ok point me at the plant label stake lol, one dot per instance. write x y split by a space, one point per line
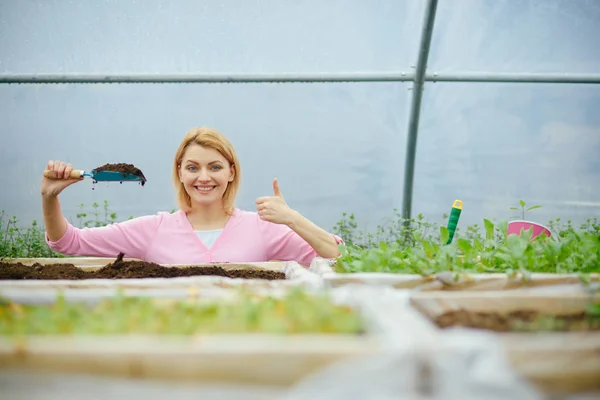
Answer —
453 220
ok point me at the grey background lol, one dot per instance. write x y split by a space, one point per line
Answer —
335 147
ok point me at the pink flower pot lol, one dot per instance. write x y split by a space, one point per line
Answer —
516 227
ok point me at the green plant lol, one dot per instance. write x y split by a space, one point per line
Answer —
22 242
392 230
29 242
108 217
295 312
560 228
522 209
495 251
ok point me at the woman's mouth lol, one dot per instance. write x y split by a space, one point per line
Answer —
205 188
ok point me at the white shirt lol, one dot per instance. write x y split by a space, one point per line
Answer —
209 237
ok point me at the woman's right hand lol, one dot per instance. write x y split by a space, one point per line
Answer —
53 186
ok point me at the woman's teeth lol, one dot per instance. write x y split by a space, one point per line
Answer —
205 188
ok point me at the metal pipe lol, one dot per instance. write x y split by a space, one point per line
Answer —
415 108
513 77
482 77
210 78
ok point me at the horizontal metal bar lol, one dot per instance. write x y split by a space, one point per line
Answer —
209 78
309 77
513 77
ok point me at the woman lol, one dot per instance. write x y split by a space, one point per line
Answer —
206 228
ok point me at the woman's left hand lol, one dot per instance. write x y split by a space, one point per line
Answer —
274 208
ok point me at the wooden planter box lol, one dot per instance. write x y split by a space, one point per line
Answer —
557 362
181 287
444 280
264 359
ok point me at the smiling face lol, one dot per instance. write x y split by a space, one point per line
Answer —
205 175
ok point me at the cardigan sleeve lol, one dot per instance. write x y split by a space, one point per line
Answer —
282 243
132 237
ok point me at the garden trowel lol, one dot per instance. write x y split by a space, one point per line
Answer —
100 176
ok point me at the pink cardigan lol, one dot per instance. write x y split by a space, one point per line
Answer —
167 238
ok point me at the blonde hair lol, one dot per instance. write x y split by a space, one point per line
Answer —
212 139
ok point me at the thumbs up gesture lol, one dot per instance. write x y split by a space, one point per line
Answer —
274 208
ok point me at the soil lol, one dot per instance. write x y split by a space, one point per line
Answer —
124 169
124 270
524 320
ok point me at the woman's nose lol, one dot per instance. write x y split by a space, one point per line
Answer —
203 175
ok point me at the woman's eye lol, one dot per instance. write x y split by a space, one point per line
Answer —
191 168
216 167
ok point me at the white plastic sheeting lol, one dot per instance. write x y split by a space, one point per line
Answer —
332 147
335 147
164 36
552 36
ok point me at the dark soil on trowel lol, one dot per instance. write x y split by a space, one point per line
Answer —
124 270
124 169
518 321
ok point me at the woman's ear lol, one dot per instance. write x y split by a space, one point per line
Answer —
179 173
231 173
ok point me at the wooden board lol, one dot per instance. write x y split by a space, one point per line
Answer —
93 263
556 363
434 304
46 291
259 359
501 281
446 281
397 281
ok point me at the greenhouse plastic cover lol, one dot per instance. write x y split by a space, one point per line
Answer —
335 147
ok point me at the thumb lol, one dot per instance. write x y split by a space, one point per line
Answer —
276 190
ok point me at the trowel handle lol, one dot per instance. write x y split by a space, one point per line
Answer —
75 174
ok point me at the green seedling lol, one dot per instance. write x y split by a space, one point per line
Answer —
295 313
522 209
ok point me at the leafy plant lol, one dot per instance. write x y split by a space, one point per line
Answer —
29 242
573 252
296 312
394 229
17 241
107 218
522 209
419 247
